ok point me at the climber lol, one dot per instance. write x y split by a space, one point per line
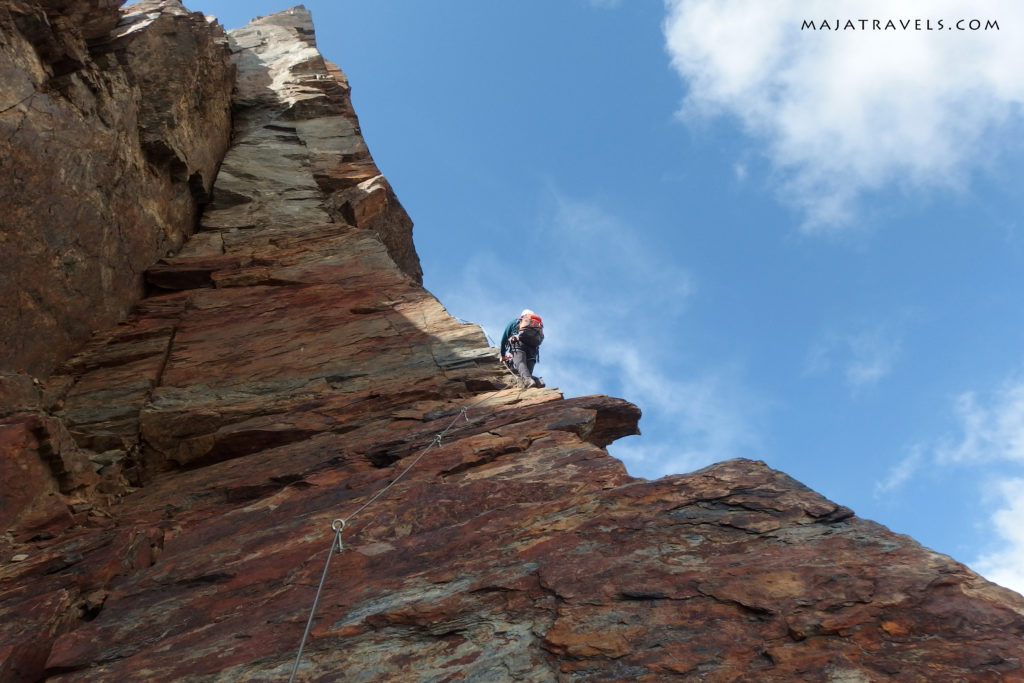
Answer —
520 347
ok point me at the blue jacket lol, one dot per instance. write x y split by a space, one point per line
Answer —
510 330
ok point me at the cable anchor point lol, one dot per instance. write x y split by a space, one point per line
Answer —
338 525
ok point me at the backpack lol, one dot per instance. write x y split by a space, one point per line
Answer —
531 330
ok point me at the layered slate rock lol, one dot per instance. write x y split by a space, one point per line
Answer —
112 126
289 370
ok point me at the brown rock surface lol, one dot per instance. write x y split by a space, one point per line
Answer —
290 370
106 152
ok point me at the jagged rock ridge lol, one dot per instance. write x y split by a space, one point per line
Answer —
288 365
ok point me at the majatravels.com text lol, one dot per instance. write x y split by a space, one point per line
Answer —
900 25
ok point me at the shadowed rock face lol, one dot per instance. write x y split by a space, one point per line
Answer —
107 153
180 475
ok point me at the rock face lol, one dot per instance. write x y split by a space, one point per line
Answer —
106 153
182 474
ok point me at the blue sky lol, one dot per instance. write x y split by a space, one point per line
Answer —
800 246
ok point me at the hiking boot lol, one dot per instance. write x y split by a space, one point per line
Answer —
528 383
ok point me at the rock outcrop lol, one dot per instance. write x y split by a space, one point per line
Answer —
111 129
183 472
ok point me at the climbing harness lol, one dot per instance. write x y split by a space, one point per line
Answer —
504 365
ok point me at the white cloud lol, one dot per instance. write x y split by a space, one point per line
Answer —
872 359
842 114
903 471
866 356
991 443
993 432
1006 565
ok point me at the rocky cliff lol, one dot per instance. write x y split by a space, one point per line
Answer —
173 494
107 153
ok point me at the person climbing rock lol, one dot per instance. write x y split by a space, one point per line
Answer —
520 347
